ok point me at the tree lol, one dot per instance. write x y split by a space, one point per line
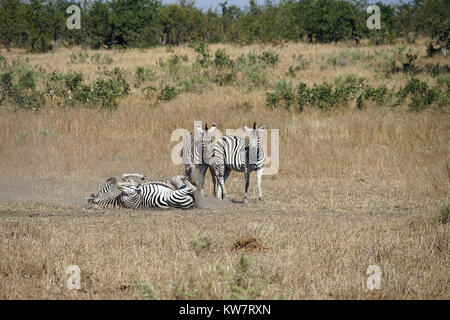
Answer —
435 15
134 23
12 22
39 27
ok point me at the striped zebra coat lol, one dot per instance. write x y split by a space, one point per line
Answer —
238 154
196 152
151 194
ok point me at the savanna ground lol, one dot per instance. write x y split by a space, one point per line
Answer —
355 188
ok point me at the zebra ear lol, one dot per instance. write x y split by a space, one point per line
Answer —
212 129
262 128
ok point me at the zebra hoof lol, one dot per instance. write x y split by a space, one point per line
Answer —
245 201
261 199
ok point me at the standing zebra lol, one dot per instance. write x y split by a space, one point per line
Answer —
196 151
238 154
150 194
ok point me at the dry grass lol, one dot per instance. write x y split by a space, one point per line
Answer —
355 188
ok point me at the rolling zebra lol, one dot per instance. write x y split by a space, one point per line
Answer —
150 194
196 152
238 154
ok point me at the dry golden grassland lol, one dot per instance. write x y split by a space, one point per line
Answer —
355 188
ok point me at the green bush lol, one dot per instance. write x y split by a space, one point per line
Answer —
326 95
23 93
222 60
255 76
145 289
143 74
167 93
283 95
71 90
6 86
269 58
203 58
422 96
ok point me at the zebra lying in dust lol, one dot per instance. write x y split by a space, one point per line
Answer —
150 194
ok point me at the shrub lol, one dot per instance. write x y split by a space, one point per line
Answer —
222 60
199 245
143 74
283 95
26 81
6 86
326 95
22 95
269 58
28 99
145 289
255 76
203 57
167 93
303 95
70 89
420 93
445 213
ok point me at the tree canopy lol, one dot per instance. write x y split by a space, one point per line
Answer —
38 25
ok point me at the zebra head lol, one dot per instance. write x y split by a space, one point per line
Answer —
188 185
254 141
203 146
200 150
105 194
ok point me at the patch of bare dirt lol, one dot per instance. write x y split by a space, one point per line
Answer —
210 202
248 243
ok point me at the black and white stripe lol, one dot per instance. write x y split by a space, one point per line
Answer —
105 197
238 154
151 194
160 195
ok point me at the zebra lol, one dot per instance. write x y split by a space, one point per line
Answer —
150 194
105 197
196 152
238 154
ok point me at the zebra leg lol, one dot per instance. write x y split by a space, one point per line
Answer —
247 182
226 174
259 176
214 179
127 183
222 190
138 176
203 170
182 198
177 181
